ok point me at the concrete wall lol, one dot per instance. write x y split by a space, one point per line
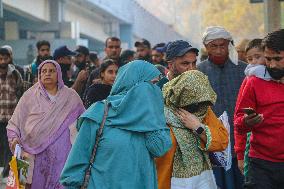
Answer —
143 23
69 21
35 8
88 23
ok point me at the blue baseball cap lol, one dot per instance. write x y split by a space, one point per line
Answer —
160 47
61 52
179 48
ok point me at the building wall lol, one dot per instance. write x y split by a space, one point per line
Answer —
73 22
35 8
143 23
88 22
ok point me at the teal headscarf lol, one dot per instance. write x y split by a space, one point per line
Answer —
135 104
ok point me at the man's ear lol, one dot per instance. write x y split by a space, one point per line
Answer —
170 64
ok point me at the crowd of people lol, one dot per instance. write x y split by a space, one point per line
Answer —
148 118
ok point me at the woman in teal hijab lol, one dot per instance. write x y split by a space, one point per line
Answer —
135 133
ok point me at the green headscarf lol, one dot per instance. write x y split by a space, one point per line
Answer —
135 103
191 87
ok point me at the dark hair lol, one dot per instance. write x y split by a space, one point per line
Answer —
39 44
82 50
274 41
111 39
4 51
93 56
159 45
106 63
192 108
255 43
161 68
126 54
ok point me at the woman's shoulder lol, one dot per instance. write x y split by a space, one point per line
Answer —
72 94
92 116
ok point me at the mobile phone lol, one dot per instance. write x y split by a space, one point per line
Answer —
249 111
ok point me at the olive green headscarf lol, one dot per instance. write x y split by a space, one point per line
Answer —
191 87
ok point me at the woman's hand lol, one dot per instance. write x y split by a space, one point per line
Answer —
25 155
189 120
13 144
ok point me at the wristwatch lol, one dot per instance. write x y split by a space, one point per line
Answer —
199 130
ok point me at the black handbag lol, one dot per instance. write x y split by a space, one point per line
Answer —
98 136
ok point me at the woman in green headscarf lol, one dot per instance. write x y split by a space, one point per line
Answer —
195 130
135 132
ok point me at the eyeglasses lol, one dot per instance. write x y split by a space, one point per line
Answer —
45 71
276 58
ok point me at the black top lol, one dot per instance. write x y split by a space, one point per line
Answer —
96 92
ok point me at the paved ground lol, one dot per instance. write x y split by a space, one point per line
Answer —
2 185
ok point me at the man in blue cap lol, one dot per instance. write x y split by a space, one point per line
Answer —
158 52
63 55
181 57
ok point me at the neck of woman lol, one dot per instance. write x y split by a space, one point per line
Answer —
51 89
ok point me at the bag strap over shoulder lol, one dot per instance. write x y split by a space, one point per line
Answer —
92 159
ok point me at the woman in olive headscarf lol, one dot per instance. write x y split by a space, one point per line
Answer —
195 130
135 132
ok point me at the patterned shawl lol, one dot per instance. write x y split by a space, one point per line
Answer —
189 88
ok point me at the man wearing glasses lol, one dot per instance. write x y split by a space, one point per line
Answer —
266 154
225 73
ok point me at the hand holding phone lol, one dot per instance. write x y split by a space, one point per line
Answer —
252 118
249 111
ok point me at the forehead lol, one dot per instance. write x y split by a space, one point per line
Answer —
254 50
218 41
78 55
112 67
44 47
190 55
156 52
141 47
271 52
48 66
113 43
4 56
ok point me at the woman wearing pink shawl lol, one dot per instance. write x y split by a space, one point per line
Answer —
43 124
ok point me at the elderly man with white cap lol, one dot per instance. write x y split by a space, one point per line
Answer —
226 74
